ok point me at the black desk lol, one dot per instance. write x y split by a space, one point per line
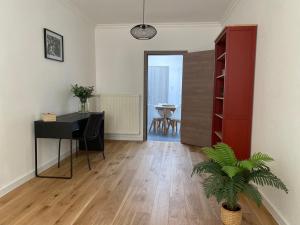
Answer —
63 128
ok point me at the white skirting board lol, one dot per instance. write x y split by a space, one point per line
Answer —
26 177
122 114
273 211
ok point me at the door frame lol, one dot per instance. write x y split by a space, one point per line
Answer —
145 104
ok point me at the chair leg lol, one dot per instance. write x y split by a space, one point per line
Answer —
103 155
151 126
174 127
159 126
58 160
170 123
87 154
155 126
77 147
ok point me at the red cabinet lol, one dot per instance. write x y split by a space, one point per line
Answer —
235 50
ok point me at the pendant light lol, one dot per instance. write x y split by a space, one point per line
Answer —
143 31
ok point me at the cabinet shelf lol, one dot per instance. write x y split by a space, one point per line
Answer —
219 134
219 115
221 76
220 98
222 57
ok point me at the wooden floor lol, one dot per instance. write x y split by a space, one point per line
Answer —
138 184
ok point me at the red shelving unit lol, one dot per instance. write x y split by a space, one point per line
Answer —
235 50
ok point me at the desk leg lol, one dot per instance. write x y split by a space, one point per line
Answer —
53 177
71 160
35 152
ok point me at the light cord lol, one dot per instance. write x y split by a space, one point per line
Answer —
144 11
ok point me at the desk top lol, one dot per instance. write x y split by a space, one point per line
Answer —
70 118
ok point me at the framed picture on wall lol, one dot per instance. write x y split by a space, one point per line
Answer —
54 45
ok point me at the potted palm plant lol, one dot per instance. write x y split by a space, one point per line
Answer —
226 178
83 93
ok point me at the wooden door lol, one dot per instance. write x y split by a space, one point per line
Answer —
197 98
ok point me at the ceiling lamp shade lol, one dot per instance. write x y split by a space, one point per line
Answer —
143 31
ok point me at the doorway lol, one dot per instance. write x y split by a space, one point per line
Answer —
195 106
163 95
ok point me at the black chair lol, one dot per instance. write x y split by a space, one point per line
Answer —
91 132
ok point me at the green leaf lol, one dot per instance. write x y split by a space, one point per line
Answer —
227 153
83 93
246 164
214 185
252 192
212 154
231 189
231 171
207 167
222 154
258 159
261 157
265 177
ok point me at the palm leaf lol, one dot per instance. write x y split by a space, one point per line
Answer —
231 171
252 192
259 158
246 164
231 189
214 185
213 155
256 161
222 154
227 153
267 178
207 167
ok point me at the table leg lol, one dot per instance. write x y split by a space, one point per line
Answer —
52 177
35 152
71 160
165 125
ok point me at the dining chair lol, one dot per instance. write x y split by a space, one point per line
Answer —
91 132
156 124
173 122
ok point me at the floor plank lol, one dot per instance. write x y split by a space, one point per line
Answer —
138 184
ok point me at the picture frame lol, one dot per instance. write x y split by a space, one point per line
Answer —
53 45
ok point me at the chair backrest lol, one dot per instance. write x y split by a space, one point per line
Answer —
93 125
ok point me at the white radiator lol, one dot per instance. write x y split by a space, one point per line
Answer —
122 113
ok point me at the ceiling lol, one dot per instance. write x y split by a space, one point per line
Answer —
157 11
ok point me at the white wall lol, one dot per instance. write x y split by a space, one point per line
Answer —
276 122
120 57
30 84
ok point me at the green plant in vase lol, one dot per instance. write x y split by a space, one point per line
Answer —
83 93
226 178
